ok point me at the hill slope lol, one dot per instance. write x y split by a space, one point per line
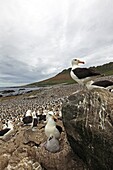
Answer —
64 76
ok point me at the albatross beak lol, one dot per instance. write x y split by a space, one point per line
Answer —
82 62
54 117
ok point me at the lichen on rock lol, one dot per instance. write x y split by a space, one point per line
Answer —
88 121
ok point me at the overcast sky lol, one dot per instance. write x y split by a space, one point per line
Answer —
39 38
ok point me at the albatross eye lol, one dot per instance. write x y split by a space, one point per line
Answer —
50 137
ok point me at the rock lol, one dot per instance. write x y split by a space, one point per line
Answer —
21 89
4 161
33 137
31 97
25 164
8 91
88 121
28 91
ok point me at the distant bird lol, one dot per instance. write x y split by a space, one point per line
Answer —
7 130
103 84
35 121
41 116
51 128
5 125
58 113
52 144
82 75
27 119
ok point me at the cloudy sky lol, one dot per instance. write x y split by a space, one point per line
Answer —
39 38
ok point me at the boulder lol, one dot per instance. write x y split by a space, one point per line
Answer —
88 121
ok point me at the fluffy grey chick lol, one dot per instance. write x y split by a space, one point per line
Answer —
52 144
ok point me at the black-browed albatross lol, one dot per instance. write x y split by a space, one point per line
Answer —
35 121
7 130
27 119
102 84
51 128
82 75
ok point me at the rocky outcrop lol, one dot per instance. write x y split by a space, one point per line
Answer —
8 91
88 121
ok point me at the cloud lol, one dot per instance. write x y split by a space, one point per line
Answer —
39 38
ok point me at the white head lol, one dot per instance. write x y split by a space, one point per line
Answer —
28 113
49 114
34 114
50 120
4 126
10 124
77 62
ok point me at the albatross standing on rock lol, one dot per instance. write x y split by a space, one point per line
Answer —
82 75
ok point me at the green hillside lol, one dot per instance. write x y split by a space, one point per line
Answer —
106 69
64 76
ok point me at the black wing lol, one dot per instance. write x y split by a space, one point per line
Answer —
4 131
42 117
35 122
85 72
59 128
27 119
103 83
